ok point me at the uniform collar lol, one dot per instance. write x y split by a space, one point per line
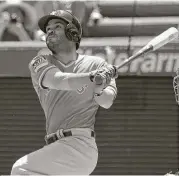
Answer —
70 63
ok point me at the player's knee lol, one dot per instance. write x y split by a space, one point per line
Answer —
15 170
17 167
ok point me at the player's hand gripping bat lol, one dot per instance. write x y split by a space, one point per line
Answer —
156 43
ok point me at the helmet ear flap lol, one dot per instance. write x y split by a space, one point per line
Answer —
72 33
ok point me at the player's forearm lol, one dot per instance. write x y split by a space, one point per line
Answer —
66 81
106 99
76 80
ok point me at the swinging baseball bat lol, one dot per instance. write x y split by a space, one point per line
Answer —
156 43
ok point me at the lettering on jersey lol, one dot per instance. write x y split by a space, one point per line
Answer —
81 90
38 63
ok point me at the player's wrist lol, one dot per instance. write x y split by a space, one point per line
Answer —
98 90
98 94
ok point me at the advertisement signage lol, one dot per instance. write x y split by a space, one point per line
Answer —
16 56
162 62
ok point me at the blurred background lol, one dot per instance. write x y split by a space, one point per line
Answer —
139 134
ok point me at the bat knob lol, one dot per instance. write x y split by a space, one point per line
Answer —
98 80
95 77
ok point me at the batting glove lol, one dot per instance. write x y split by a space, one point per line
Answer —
100 76
106 72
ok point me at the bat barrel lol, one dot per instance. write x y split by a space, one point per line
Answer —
164 38
159 41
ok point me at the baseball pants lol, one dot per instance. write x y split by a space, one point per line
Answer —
73 155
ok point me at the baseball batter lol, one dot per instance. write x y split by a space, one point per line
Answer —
65 83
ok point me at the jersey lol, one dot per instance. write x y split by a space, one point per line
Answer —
67 109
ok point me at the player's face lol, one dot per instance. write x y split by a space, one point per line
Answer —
55 35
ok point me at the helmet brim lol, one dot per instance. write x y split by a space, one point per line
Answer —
43 21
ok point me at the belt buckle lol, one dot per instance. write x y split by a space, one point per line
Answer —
60 133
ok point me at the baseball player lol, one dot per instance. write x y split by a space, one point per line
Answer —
70 88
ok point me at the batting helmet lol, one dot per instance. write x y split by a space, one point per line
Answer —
73 29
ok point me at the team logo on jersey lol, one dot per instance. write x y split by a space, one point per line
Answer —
39 62
81 90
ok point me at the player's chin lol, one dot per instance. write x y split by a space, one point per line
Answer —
52 40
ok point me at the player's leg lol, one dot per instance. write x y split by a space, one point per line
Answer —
67 156
24 165
21 171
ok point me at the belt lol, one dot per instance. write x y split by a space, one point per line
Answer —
61 133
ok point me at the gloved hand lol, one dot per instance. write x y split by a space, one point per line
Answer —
112 70
102 77
108 71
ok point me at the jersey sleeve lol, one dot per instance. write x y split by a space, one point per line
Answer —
38 67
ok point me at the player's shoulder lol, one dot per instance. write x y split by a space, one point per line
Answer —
94 59
39 61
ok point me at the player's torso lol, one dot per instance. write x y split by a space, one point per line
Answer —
68 109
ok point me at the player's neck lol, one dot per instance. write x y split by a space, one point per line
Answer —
66 58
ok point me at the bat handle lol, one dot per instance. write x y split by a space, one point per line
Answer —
98 80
